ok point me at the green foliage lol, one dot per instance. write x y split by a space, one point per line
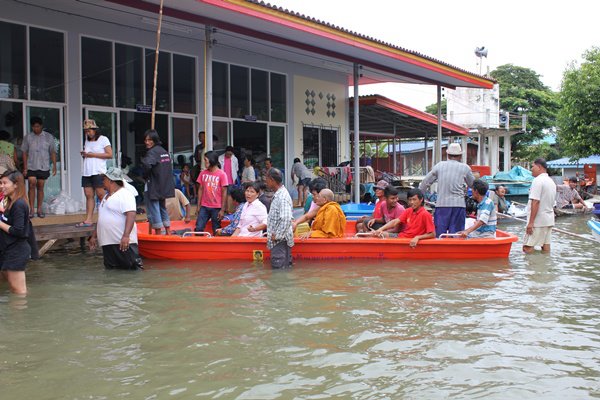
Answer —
579 118
544 150
432 108
522 91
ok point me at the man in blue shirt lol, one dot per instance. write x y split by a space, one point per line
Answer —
485 226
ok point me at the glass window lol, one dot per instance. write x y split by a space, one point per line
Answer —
240 95
12 122
277 146
220 83
13 74
163 79
329 147
96 72
183 141
220 135
47 65
184 84
260 94
278 98
310 139
128 75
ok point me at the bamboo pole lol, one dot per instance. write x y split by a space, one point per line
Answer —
160 14
553 228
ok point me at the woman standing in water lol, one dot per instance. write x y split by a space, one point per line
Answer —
14 231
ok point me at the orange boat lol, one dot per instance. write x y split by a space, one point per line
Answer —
175 247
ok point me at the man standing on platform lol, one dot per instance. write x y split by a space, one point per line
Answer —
540 209
280 236
451 176
39 149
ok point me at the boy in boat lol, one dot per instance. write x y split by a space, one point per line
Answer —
385 211
418 223
485 226
568 197
330 221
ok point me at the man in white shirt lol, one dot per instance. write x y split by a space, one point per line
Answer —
540 209
115 231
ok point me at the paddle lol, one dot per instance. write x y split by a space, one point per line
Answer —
553 228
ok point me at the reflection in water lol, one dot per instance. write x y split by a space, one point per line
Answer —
526 327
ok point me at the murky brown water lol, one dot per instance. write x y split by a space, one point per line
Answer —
527 327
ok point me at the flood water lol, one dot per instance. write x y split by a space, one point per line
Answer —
526 327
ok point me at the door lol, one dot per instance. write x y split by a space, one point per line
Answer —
250 138
52 118
277 146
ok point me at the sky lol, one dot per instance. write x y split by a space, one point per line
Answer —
545 36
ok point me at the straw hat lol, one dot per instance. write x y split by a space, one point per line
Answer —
117 174
89 124
454 149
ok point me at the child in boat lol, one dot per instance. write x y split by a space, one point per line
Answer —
485 226
384 212
186 181
238 200
418 223
330 221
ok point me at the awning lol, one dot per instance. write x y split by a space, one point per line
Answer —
378 114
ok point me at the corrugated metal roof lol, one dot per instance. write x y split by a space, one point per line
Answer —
566 162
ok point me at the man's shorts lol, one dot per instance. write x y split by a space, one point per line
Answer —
38 174
94 181
539 237
114 258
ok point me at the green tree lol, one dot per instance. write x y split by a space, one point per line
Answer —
579 117
522 91
432 108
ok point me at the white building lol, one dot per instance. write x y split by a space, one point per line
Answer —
263 79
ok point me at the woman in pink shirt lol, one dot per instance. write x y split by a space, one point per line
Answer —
212 193
254 213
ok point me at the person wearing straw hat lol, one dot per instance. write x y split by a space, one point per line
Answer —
451 176
96 152
116 232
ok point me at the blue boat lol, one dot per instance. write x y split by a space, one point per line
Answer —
353 210
595 225
517 181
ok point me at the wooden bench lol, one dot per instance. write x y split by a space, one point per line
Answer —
51 233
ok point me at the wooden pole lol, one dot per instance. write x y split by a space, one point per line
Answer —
553 228
160 14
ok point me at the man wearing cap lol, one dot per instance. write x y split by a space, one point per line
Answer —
39 149
451 176
380 195
115 231
96 152
540 209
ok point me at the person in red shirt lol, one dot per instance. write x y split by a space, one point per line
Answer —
418 223
385 211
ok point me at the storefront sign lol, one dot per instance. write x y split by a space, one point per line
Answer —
145 108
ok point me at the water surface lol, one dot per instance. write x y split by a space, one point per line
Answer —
526 327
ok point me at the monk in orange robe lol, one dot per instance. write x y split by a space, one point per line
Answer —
330 221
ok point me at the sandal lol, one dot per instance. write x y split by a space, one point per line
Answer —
84 225
41 215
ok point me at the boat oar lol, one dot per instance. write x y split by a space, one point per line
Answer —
553 228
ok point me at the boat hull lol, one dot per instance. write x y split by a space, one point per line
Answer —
175 247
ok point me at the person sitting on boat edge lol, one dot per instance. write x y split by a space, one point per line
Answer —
280 236
498 196
330 221
384 212
485 226
568 197
314 186
380 195
237 199
418 223
253 219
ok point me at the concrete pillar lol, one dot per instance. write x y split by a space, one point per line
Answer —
464 143
507 152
